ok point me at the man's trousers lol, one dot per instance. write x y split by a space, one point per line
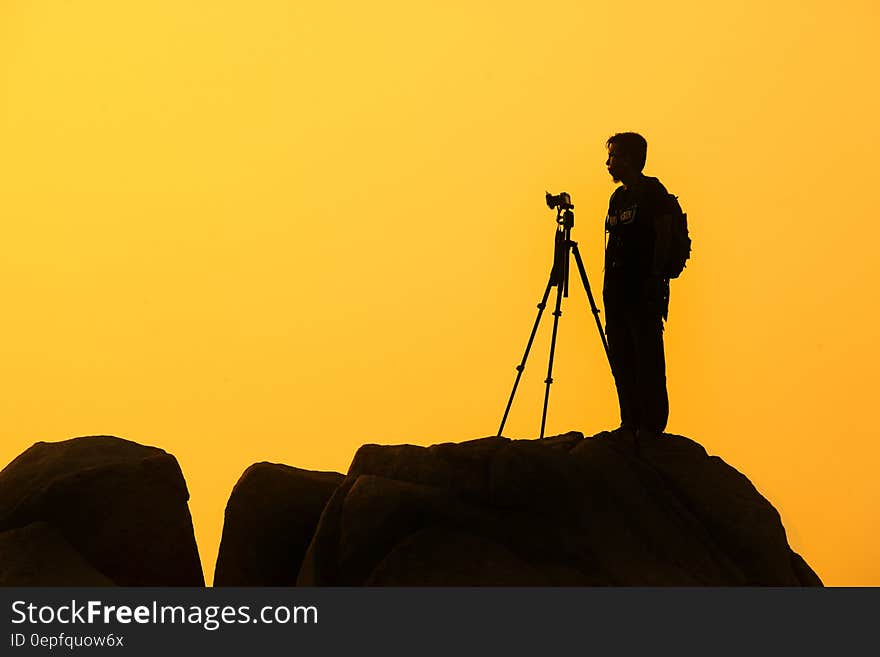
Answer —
635 342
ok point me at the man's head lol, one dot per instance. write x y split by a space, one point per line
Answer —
627 152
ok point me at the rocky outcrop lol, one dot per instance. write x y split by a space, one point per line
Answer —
106 506
566 510
270 519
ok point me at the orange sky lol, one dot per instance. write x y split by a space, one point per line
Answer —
264 231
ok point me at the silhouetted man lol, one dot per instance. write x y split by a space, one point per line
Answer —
635 293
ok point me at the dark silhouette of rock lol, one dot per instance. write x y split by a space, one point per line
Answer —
559 511
37 555
120 505
270 519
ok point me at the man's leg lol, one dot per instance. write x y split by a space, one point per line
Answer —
651 372
622 350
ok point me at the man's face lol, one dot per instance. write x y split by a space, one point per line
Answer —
617 163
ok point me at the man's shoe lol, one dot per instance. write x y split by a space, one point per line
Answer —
623 431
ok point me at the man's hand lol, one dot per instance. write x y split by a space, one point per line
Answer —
655 295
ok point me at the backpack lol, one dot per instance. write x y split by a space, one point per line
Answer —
674 227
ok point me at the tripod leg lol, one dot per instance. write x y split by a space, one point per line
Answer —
522 365
557 313
580 264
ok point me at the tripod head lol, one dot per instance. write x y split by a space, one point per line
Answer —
565 219
564 209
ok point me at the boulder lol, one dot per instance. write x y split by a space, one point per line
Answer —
565 510
120 505
270 519
37 555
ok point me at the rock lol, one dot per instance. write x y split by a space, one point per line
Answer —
431 557
37 555
270 519
805 575
120 505
731 511
558 511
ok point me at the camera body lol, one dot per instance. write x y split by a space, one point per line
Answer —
561 201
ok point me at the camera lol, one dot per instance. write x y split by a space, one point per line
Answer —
561 201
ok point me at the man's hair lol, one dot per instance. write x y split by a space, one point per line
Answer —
632 145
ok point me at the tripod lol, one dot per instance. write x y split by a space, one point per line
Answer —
563 246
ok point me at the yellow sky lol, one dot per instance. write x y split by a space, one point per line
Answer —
267 231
